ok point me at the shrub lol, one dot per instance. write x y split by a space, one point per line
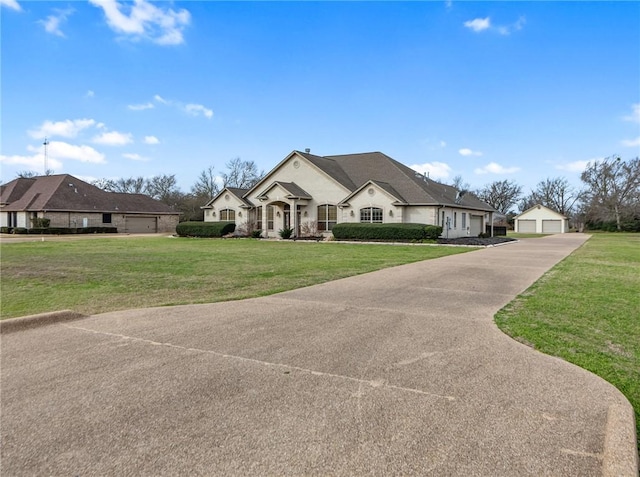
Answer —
205 229
386 232
256 234
6 230
432 232
72 230
285 233
40 223
19 230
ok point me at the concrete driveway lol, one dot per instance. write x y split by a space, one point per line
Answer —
396 372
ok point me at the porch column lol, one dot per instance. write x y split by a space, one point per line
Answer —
293 213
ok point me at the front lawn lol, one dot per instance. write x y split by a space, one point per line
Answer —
586 310
107 274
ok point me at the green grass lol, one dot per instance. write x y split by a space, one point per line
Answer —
586 310
107 274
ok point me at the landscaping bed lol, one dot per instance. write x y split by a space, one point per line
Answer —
475 241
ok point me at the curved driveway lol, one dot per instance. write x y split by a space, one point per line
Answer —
396 372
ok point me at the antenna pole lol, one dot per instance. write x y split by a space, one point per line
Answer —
46 158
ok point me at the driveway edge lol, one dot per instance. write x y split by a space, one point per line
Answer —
16 324
620 455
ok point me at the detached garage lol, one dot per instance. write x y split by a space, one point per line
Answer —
541 220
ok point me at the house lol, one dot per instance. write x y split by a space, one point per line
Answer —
310 194
541 220
69 202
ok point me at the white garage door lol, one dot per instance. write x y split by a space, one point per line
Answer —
551 226
526 226
140 225
475 225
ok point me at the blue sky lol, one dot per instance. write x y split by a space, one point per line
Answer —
486 90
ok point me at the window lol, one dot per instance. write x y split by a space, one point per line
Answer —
270 217
464 220
442 222
228 215
371 215
106 218
259 218
327 217
455 220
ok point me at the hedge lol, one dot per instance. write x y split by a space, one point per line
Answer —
205 229
387 232
58 230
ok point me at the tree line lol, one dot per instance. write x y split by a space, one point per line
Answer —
609 198
239 173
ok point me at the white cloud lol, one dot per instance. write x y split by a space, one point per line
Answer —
196 109
495 168
468 152
190 108
135 157
66 128
478 24
52 22
482 24
13 5
113 138
59 151
141 107
635 113
144 20
631 142
575 166
89 94
435 170
151 140
33 163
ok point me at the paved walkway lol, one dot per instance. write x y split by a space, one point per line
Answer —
396 372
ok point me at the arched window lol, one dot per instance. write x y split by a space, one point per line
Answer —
371 215
327 217
227 215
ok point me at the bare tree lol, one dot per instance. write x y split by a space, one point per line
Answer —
206 186
501 195
163 188
556 194
131 185
459 183
104 184
26 174
613 189
241 174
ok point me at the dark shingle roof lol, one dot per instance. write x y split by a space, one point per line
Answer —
354 170
63 192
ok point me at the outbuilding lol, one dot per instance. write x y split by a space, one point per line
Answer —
541 220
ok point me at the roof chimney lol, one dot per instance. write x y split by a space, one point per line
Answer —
307 150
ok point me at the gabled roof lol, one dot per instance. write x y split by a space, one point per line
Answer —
352 171
64 192
293 190
236 191
382 185
409 185
540 206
